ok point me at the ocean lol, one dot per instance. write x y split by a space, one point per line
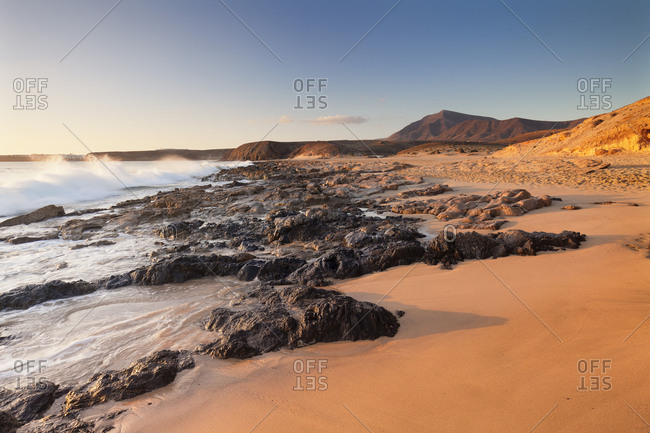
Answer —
70 339
26 186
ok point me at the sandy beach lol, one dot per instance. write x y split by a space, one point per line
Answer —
271 217
493 345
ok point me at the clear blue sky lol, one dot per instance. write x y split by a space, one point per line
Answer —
158 74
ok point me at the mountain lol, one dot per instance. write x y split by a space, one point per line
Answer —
262 150
452 126
265 150
624 130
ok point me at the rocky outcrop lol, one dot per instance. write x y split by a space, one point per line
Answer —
448 250
342 262
27 296
185 268
269 318
176 270
27 403
146 374
42 214
8 423
275 270
476 211
58 424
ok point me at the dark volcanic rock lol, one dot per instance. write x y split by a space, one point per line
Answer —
275 270
339 263
382 257
78 229
179 229
28 403
185 268
27 296
8 422
293 317
27 239
473 245
286 226
174 270
58 424
371 254
42 214
144 375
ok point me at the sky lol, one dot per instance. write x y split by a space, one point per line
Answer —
140 74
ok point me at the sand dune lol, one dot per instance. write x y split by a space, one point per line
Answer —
624 130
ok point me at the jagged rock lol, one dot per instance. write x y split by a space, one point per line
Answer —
380 253
175 270
505 203
180 269
42 214
381 257
473 245
102 243
58 424
78 229
146 374
292 317
28 403
275 270
27 296
359 239
339 263
8 422
28 239
286 226
178 230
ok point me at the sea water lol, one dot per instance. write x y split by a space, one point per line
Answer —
68 340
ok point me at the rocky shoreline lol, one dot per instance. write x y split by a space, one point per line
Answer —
286 228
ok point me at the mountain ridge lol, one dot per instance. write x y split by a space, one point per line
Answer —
450 125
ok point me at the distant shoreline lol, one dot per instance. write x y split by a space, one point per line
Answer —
137 155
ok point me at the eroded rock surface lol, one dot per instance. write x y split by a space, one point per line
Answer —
477 211
59 424
473 245
42 214
29 402
269 318
146 374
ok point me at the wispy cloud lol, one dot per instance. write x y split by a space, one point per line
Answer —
285 119
337 120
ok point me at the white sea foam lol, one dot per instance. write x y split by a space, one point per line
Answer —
79 336
25 186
